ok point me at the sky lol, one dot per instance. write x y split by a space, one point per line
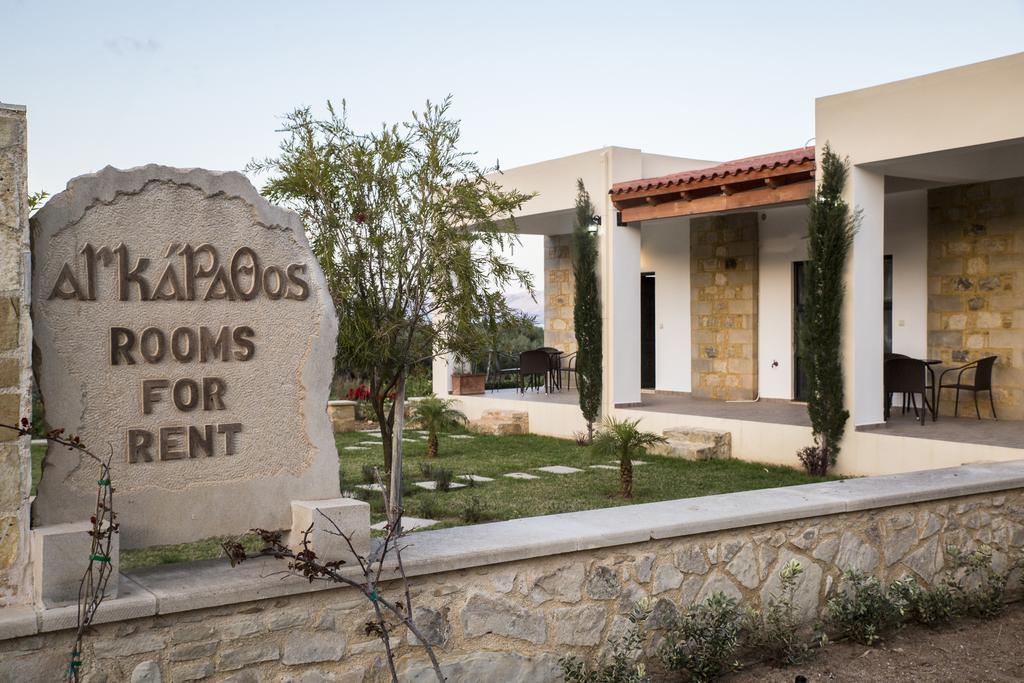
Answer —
205 83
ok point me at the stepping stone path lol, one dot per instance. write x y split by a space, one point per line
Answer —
558 469
432 485
370 487
636 463
355 448
473 477
521 475
603 467
408 523
460 436
368 443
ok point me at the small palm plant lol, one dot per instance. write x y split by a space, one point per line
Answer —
436 415
622 439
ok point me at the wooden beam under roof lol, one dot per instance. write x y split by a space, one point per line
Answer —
764 196
802 169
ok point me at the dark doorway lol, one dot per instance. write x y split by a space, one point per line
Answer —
799 303
647 332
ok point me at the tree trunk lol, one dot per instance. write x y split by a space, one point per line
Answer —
398 413
432 445
626 476
384 424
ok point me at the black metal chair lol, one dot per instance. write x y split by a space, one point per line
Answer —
500 367
908 376
569 368
982 381
888 395
534 364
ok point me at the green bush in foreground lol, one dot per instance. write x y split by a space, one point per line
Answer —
774 631
705 639
623 665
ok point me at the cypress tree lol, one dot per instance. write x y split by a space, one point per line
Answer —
831 228
586 312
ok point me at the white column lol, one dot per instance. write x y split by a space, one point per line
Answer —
624 286
620 288
442 374
863 321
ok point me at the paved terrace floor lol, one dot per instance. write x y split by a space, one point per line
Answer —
1005 433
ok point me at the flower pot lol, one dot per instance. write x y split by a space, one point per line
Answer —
468 384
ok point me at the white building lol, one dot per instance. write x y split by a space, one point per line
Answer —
701 264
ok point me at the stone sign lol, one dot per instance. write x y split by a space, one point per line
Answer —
183 325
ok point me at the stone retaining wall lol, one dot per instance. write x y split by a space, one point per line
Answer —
511 621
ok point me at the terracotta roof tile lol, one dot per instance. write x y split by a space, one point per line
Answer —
761 162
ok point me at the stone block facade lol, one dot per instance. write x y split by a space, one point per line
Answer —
15 344
723 291
976 286
343 415
559 294
513 620
502 422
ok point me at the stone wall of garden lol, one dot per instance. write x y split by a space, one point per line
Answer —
559 294
15 341
976 286
513 620
723 291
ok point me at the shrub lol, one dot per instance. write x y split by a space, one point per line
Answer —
622 666
865 609
443 479
369 474
774 631
427 470
976 585
928 606
704 640
474 511
429 507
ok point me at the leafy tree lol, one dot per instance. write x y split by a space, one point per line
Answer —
831 229
586 312
409 230
436 415
622 439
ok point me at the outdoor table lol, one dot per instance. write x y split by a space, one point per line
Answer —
554 366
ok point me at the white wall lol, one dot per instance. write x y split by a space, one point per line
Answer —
906 239
781 242
665 251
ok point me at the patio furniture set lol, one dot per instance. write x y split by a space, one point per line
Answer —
912 376
542 367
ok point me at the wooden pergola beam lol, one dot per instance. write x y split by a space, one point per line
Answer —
747 199
802 170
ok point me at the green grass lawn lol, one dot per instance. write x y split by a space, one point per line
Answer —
503 498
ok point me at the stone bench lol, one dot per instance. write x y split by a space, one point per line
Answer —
343 415
694 443
502 422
